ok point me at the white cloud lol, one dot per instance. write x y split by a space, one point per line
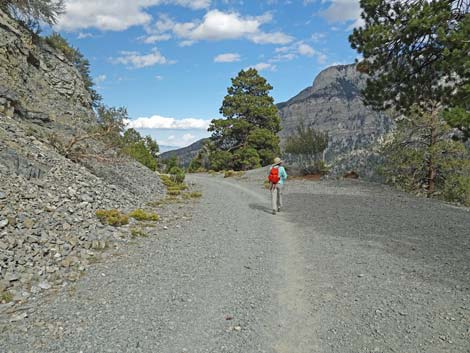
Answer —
317 37
227 58
178 141
343 11
156 38
271 38
160 122
219 25
306 50
284 57
117 15
99 79
291 52
83 35
159 77
137 60
264 67
186 43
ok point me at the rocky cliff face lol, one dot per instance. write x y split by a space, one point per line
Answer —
36 81
49 233
333 103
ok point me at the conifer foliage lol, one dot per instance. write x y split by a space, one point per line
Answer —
34 11
246 138
416 53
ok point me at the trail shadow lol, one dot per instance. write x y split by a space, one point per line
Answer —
258 207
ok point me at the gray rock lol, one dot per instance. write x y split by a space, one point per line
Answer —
11 277
334 104
2 195
3 223
19 317
4 285
44 285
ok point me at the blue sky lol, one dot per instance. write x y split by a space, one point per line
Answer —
170 62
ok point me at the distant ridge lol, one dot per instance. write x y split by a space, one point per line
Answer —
185 154
333 103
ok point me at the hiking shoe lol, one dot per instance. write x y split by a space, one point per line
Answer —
274 211
278 209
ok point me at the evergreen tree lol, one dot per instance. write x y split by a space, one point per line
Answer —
246 138
421 157
34 11
416 51
306 146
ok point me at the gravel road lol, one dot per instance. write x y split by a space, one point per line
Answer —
347 267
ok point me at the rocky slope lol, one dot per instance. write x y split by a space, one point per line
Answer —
49 233
36 81
333 103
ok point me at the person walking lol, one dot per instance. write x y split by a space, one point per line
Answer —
277 177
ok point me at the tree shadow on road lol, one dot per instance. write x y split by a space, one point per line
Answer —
258 207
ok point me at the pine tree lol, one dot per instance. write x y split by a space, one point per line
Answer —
34 11
421 157
415 52
248 133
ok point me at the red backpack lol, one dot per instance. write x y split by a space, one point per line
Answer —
274 175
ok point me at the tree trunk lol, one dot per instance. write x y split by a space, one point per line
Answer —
432 168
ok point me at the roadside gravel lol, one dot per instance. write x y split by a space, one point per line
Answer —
346 267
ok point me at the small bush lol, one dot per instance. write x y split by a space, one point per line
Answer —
177 175
138 233
155 203
179 187
267 184
112 217
141 215
174 192
6 297
457 189
195 194
317 167
232 173
166 180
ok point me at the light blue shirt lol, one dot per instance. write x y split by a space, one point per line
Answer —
282 173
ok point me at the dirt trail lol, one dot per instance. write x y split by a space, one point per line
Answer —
345 268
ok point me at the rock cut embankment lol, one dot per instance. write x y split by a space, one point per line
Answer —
49 233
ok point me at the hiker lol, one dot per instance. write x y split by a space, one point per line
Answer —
277 177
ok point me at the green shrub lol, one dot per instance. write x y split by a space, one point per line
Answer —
457 189
180 187
174 192
232 173
177 175
316 167
112 217
141 154
195 194
6 297
141 215
138 233
266 184
166 180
